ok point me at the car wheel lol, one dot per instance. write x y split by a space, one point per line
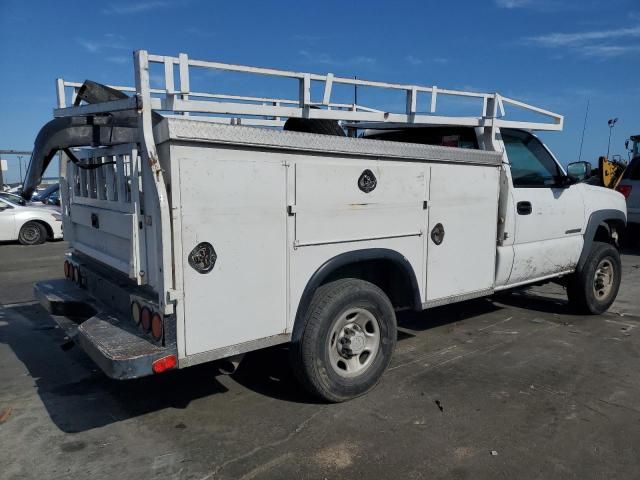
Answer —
348 339
32 233
594 289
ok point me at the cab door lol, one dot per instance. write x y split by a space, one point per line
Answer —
7 221
549 216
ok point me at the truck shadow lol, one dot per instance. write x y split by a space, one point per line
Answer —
268 371
79 397
533 301
76 394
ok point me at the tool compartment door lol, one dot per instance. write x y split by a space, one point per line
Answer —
463 200
332 206
236 201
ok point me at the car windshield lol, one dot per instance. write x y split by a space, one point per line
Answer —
13 199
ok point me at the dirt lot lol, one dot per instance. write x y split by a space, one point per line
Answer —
510 387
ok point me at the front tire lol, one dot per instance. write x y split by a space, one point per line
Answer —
32 233
594 289
348 339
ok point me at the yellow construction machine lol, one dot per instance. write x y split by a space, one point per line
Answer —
610 171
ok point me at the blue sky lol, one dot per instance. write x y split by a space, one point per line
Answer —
554 54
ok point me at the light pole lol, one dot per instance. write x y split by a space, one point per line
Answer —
20 166
612 123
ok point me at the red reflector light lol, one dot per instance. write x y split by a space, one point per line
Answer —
145 319
67 269
156 326
165 363
624 190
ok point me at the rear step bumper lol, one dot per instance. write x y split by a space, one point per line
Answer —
114 344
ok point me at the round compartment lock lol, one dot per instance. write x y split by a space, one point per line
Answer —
367 181
203 257
437 234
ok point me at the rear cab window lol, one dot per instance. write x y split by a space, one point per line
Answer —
459 137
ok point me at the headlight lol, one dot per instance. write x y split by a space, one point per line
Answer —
57 216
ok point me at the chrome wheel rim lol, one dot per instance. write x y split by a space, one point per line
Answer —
603 279
354 342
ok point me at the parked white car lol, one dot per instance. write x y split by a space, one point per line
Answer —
28 223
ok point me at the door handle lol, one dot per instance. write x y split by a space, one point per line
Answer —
524 208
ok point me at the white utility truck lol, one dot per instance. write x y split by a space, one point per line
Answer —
206 225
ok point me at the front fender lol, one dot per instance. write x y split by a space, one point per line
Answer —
609 217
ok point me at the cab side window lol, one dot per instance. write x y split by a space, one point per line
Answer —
531 164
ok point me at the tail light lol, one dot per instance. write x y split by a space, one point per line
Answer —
135 312
145 319
156 326
624 190
67 269
165 363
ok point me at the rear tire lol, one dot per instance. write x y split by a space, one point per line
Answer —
348 339
593 290
32 233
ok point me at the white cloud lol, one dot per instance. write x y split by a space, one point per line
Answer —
513 3
124 9
199 32
413 60
327 59
108 41
119 60
548 6
601 44
581 38
608 51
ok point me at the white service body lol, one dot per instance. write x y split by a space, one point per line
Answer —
281 208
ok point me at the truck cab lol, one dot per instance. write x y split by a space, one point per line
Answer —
544 212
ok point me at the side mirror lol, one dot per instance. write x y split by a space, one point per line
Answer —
579 171
626 144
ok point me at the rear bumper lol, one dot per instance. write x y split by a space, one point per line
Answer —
633 215
113 343
57 231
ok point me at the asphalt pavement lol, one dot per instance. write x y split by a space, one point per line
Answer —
515 386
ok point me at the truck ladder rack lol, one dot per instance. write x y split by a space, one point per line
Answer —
271 112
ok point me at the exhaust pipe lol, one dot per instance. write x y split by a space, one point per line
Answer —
66 132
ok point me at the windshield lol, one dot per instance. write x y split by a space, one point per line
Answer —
13 199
